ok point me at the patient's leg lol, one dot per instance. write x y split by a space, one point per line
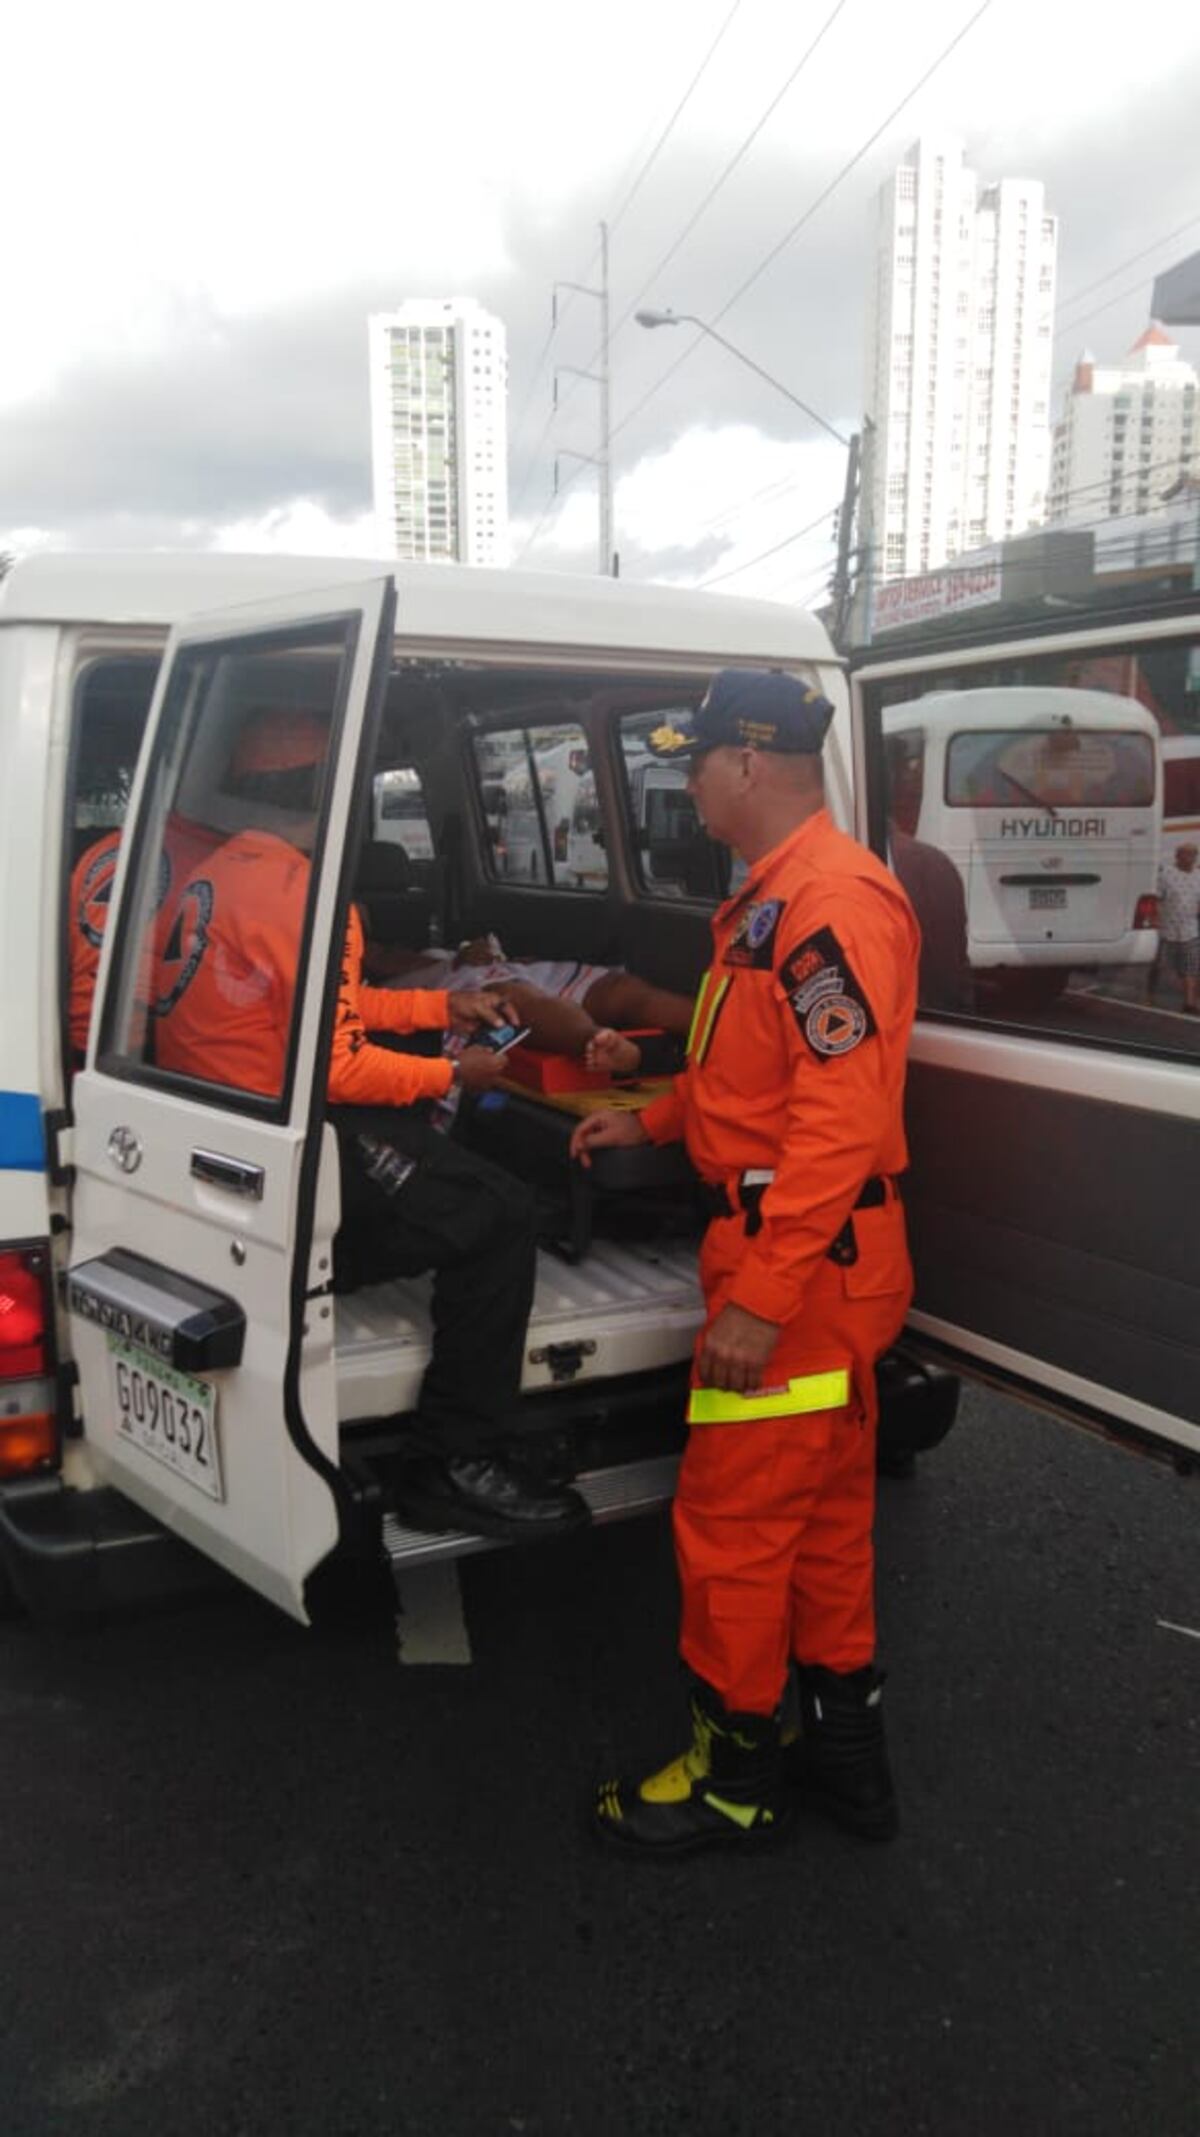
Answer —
622 998
559 1027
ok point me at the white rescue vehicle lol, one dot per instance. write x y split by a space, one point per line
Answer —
175 1368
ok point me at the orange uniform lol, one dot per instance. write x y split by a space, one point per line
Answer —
87 908
227 985
795 1070
89 898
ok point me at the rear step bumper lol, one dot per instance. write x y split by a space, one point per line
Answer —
612 1494
64 1551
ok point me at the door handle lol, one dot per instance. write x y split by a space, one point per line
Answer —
233 1174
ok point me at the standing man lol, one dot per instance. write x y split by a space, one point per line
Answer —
791 1108
1179 922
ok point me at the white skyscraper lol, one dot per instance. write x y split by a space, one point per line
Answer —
959 344
1127 432
439 383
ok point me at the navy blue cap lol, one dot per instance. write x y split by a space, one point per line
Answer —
747 708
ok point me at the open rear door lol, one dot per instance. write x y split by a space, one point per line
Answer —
203 1212
1054 1110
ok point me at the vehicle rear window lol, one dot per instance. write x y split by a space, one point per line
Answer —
1059 767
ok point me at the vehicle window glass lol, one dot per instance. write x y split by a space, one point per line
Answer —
399 816
113 702
207 975
538 792
1049 856
1056 767
673 855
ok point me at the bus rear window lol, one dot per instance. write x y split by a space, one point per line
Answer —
1059 767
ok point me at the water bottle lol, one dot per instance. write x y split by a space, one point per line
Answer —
384 1164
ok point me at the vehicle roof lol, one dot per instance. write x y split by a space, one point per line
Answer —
434 601
1023 704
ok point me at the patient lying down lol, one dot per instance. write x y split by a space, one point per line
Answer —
570 1008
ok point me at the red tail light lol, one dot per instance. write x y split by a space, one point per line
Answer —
28 1435
1145 912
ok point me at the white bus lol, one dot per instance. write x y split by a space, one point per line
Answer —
1049 803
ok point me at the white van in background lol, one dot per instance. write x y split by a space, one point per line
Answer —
1049 803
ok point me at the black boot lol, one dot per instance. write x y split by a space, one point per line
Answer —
724 1791
485 1495
838 1761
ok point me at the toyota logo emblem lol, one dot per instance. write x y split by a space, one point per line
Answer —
124 1150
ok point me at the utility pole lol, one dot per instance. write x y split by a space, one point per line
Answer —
859 621
601 460
840 589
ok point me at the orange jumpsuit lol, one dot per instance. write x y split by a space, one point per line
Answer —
796 1064
87 909
227 985
184 846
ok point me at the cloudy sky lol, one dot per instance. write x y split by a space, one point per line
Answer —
203 206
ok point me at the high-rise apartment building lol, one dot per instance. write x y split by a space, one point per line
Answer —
1127 432
959 343
439 383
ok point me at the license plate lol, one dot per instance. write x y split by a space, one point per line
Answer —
167 1415
1048 897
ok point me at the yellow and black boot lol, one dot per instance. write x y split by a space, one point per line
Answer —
837 1760
726 1790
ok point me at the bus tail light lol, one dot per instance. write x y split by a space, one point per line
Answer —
28 1426
1145 912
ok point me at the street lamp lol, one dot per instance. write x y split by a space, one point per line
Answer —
653 318
840 590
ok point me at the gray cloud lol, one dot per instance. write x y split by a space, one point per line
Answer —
237 416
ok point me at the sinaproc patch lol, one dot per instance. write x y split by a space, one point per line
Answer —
753 939
830 1008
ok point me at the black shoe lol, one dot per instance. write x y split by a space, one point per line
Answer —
838 1760
724 1791
484 1495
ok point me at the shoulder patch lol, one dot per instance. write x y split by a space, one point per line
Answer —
753 939
830 1008
186 944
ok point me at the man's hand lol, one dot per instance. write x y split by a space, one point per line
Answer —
479 1069
735 1349
471 1007
608 1130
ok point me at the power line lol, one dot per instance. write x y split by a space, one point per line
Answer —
1130 290
789 235
1065 303
644 172
730 167
716 577
812 209
668 129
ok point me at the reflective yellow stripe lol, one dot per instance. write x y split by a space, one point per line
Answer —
811 1391
701 991
704 1016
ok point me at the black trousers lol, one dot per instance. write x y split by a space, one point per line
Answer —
411 1201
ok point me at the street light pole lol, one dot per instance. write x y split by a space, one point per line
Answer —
840 591
668 318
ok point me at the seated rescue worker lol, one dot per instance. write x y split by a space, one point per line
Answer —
568 1007
411 1199
87 918
88 900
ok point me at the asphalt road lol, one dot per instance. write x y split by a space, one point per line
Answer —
259 1881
